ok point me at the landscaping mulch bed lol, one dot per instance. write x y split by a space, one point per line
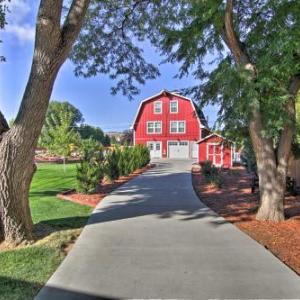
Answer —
104 189
236 204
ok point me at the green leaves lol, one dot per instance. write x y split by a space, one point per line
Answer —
90 171
61 134
109 44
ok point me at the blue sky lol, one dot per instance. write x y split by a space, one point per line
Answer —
92 96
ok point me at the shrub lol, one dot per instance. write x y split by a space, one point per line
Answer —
112 165
124 164
211 173
132 158
91 167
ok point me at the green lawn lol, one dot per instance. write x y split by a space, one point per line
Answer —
23 271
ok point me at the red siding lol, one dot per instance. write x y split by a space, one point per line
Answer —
226 150
185 113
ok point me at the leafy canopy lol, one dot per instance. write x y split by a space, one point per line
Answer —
55 117
191 32
109 44
62 135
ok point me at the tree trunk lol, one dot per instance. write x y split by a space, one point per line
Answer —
17 159
17 145
272 166
271 188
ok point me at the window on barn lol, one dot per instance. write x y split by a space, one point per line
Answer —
177 127
154 127
174 106
157 107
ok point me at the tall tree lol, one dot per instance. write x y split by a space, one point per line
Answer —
56 32
90 132
254 72
55 114
127 137
62 134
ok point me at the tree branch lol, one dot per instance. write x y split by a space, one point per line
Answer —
130 12
73 22
48 19
231 39
3 124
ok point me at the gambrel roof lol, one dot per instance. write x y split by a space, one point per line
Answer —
198 111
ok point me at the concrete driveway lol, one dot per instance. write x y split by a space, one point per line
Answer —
153 238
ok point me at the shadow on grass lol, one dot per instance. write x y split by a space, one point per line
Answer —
65 223
11 288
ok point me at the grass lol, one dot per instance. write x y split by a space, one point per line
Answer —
24 270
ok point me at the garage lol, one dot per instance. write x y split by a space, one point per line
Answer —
178 149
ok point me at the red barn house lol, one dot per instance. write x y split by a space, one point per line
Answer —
171 126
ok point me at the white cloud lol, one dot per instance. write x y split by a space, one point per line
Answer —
24 33
19 21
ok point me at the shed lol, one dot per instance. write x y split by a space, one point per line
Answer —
217 149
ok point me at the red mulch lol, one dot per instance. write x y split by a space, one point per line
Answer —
235 203
105 188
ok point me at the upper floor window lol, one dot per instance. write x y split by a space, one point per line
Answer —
177 127
157 107
174 106
154 127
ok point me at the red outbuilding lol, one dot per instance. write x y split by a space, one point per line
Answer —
216 149
172 126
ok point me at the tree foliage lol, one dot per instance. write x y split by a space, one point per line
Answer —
62 134
87 131
3 11
90 171
108 44
57 113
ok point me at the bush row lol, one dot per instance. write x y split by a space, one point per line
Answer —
97 163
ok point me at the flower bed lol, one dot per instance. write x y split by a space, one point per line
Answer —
237 205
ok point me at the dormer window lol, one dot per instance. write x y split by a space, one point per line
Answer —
173 106
157 107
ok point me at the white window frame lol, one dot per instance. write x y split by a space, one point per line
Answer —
174 112
154 122
177 127
154 107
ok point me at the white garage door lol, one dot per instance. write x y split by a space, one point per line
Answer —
178 149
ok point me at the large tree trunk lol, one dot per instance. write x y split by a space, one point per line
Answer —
271 164
17 159
17 145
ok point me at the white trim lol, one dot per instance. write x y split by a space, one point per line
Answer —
192 144
177 121
176 95
178 141
161 129
134 142
177 106
222 153
161 107
213 134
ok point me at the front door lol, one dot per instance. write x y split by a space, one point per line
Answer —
214 154
155 149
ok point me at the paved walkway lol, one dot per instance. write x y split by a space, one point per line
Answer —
153 238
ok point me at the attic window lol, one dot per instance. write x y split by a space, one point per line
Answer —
174 106
157 107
